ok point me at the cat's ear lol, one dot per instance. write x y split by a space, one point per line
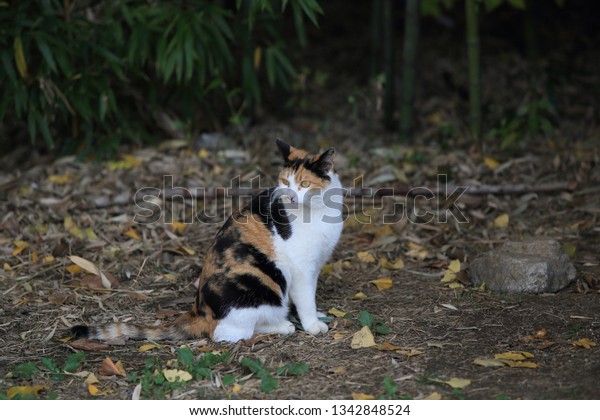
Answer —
325 161
284 148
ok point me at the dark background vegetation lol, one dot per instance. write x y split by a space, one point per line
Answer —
88 77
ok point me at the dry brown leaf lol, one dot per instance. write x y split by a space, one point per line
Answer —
109 368
90 345
176 375
515 356
455 383
409 352
385 346
362 338
382 283
131 233
178 227
519 364
92 281
491 162
434 396
20 246
91 379
359 296
338 370
147 347
92 268
489 362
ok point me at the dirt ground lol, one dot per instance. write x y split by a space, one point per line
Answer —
51 209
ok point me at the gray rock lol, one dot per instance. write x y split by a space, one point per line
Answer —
534 265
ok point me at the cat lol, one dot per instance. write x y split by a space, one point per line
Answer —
264 258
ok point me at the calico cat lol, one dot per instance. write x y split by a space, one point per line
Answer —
264 258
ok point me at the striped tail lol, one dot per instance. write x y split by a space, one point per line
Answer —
187 326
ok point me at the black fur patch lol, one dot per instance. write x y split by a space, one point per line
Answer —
264 264
80 331
272 213
284 148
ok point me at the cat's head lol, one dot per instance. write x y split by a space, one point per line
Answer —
304 175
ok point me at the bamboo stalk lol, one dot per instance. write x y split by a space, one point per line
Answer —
388 62
411 39
473 48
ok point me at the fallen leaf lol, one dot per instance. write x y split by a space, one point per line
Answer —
60 179
491 162
366 257
384 231
501 221
417 251
339 336
176 375
362 338
236 388
456 383
570 249
385 346
34 257
93 390
48 259
20 246
409 352
109 368
73 269
90 234
455 285
187 250
137 392
147 347
91 268
489 362
382 283
92 281
7 267
327 269
519 364
359 296
338 370
178 227
449 306
396 265
170 277
514 355
454 266
25 391
586 343
434 396
336 312
131 233
91 379
202 153
361 396
90 345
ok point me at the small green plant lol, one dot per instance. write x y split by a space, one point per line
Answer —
390 389
530 119
365 319
267 382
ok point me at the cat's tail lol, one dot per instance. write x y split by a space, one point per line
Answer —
188 326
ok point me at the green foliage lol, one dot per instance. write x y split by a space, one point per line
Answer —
374 324
267 382
73 361
26 371
87 77
390 389
530 120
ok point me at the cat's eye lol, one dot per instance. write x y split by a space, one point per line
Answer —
305 184
285 182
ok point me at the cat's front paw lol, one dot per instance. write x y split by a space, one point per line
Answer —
317 328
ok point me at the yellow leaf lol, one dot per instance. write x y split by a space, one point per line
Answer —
338 370
147 347
384 231
7 267
90 234
382 283
68 222
448 277
514 355
93 390
455 285
366 257
339 336
187 250
434 396
176 375
178 227
501 221
409 352
569 249
170 277
202 153
491 163
362 338
489 362
385 346
417 251
454 266
131 233
34 257
361 396
76 232
456 383
25 391
327 269
73 269
236 388
20 58
91 379
586 343
519 364
434 119
359 296
19 247
396 265
336 312
257 56
60 179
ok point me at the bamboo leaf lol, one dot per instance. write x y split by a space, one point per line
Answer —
20 57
